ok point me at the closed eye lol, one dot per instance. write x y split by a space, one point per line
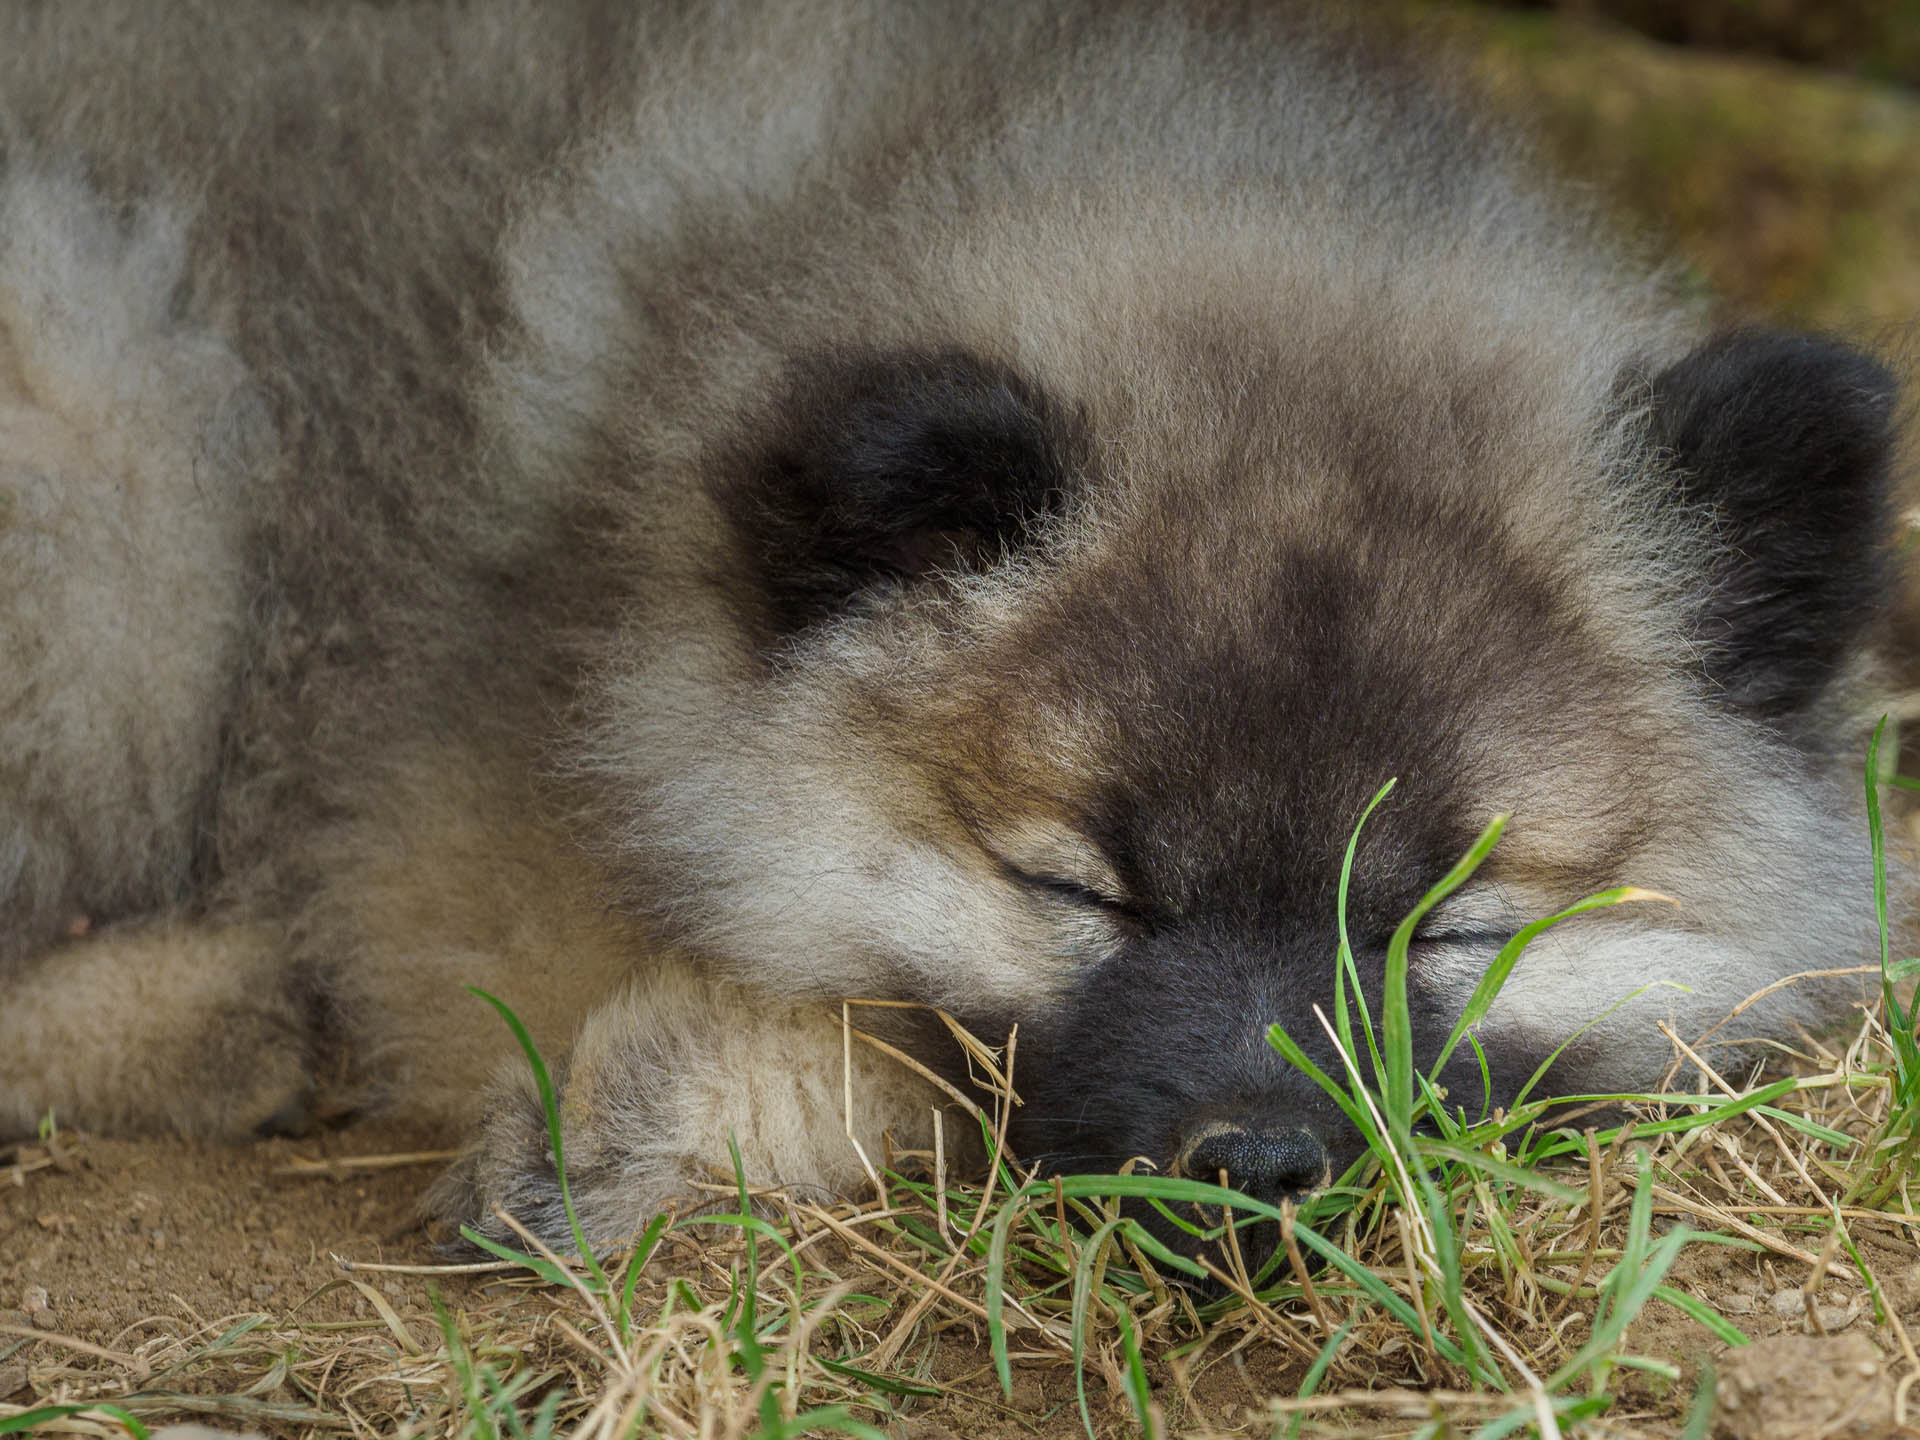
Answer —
1074 892
1465 938
1058 864
1477 920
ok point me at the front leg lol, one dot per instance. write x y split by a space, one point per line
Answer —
659 1078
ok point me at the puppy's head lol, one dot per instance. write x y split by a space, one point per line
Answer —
1058 706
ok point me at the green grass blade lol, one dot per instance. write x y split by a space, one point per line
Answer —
885 1384
1345 971
1083 1287
1811 1128
751 1226
1377 1290
746 1325
1504 1170
27 1421
545 1417
502 1403
1641 1268
1877 840
1290 1049
1540 1071
1724 1329
1172 1189
643 1249
1899 1022
1396 1023
551 1106
1626 1301
1317 1371
1453 1300
997 1293
465 1369
1156 1250
1568 1410
1133 1375
1491 983
1451 1127
1699 1421
545 1269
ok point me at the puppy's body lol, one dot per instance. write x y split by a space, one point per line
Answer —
677 520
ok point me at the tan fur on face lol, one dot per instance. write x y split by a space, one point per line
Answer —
829 863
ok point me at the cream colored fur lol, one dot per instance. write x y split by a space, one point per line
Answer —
668 1072
154 1027
374 624
130 455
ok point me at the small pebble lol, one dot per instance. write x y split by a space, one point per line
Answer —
13 1379
1792 1305
45 1320
262 1292
35 1299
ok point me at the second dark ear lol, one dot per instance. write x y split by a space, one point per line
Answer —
1783 445
882 468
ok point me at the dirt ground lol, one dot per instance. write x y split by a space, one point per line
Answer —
128 1248
112 1253
111 1242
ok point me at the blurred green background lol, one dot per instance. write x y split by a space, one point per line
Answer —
1774 145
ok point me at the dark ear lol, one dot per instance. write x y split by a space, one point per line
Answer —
1784 442
881 468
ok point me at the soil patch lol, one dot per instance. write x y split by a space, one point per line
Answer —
97 1237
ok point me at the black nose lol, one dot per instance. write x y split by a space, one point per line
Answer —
1269 1165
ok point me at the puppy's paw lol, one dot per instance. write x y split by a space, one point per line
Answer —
508 1169
159 1027
665 1084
